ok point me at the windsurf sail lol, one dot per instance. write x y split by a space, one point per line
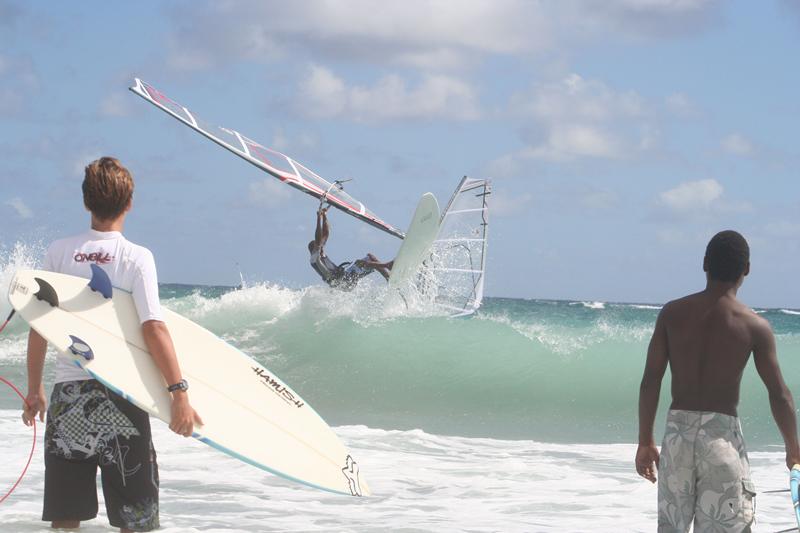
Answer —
275 163
457 261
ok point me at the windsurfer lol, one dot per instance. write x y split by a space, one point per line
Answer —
345 275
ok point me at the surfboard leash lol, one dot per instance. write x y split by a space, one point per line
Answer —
10 315
33 445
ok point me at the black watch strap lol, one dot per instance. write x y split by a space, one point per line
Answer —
181 385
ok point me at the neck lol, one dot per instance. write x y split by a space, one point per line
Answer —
113 224
722 288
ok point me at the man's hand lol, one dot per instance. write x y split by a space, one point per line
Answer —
35 403
647 462
792 458
183 416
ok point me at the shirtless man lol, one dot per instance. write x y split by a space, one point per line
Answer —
348 274
706 339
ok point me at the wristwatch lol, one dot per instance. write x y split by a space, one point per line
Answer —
181 385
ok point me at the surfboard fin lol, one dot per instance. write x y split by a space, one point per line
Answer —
79 347
46 292
100 282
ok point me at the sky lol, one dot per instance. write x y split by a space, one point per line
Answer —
619 135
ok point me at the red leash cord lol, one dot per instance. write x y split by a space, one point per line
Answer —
33 446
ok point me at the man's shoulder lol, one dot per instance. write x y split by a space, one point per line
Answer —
66 243
138 254
77 237
138 248
675 305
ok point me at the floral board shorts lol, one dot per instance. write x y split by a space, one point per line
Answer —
704 475
90 426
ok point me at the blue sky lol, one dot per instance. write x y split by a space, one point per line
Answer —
620 134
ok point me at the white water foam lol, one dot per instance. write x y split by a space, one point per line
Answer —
421 482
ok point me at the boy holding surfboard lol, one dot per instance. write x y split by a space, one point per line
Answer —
706 339
87 424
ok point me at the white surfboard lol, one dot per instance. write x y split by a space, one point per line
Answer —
247 411
417 242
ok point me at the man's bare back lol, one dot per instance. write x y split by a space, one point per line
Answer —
710 336
706 339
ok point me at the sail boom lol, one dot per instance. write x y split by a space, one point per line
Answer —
266 159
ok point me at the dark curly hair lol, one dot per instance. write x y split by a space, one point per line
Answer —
727 256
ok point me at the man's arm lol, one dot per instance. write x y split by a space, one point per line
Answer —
159 344
35 401
765 356
649 391
323 229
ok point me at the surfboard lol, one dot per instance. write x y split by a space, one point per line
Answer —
419 237
248 412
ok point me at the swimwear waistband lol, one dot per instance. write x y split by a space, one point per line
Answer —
706 419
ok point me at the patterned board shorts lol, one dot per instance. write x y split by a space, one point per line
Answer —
704 475
90 426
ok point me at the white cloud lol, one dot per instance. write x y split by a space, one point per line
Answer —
324 95
680 104
506 204
575 117
23 211
577 99
703 198
268 193
736 144
569 141
692 195
424 34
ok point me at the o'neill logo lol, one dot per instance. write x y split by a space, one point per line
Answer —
95 257
277 387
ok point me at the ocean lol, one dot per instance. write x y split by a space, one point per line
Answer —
520 418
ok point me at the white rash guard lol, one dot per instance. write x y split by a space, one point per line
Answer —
129 266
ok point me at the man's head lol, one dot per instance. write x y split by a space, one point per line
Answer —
107 188
312 246
727 257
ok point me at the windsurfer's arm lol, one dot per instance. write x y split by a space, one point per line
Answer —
35 401
323 229
159 344
649 390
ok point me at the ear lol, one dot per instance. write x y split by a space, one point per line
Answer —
705 264
130 205
747 269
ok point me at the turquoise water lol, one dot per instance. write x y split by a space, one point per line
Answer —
521 418
552 371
